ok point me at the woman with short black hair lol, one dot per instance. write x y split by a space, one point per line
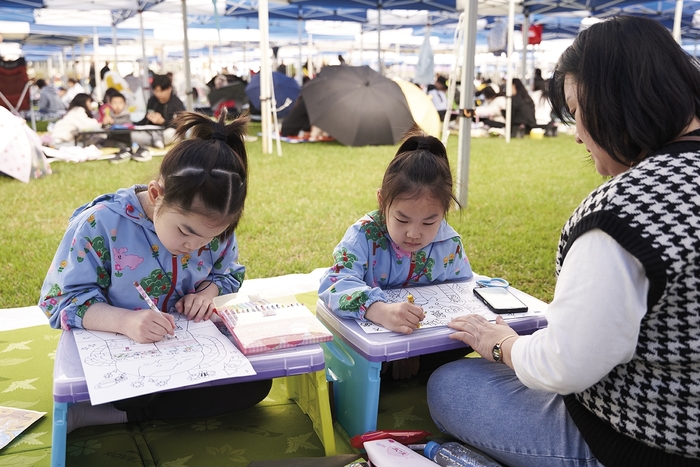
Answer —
615 378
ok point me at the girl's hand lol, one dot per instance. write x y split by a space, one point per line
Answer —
480 334
107 119
195 307
401 317
146 326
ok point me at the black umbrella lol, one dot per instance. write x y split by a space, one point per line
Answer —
231 92
357 106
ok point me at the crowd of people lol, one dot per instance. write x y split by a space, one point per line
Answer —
612 381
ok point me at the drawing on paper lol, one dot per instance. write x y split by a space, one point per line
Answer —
441 303
116 367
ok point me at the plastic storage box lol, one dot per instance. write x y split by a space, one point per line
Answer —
303 367
354 359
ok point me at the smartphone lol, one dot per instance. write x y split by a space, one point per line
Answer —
500 300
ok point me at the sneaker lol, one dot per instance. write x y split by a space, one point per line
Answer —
142 155
122 156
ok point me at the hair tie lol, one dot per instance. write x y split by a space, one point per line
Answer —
218 134
424 144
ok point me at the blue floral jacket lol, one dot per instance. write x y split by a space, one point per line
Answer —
109 244
367 260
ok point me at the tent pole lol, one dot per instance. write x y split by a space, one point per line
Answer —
362 36
145 88
466 101
380 68
51 72
265 77
114 44
311 56
523 59
300 72
509 69
85 72
459 44
97 92
677 21
189 105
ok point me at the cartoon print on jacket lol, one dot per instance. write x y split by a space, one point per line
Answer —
109 244
367 261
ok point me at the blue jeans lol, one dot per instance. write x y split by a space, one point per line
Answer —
484 405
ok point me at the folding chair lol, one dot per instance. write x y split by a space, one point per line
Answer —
14 87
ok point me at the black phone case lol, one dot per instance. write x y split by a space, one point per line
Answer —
519 309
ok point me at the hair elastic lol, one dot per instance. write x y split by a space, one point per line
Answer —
218 134
424 144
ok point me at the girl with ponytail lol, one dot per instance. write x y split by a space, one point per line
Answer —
175 238
406 242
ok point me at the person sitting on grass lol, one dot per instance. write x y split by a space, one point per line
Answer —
115 112
186 216
614 380
77 118
406 242
161 109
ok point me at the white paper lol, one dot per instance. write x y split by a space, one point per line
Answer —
117 367
443 302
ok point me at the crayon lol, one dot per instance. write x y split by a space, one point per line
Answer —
412 300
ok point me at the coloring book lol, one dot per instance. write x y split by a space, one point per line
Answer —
116 367
442 302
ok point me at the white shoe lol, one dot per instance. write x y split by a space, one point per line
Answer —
158 144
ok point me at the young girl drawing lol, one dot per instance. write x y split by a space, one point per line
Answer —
175 237
406 242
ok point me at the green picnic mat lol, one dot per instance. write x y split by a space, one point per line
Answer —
274 429
26 378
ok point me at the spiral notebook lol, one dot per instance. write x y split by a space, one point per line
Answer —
260 328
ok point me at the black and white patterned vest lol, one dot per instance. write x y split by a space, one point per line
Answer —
653 211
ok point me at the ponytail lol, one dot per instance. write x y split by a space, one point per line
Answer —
419 168
209 164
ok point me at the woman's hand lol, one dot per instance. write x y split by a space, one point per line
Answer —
401 317
146 326
480 334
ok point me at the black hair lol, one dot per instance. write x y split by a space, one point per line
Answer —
40 83
161 81
81 100
117 95
419 167
109 94
521 91
488 92
637 89
211 167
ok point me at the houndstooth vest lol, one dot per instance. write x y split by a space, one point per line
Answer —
653 211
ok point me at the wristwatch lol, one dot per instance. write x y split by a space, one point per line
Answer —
497 352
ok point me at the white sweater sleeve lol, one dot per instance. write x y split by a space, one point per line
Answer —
594 319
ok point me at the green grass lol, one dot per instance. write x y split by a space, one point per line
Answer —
299 206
